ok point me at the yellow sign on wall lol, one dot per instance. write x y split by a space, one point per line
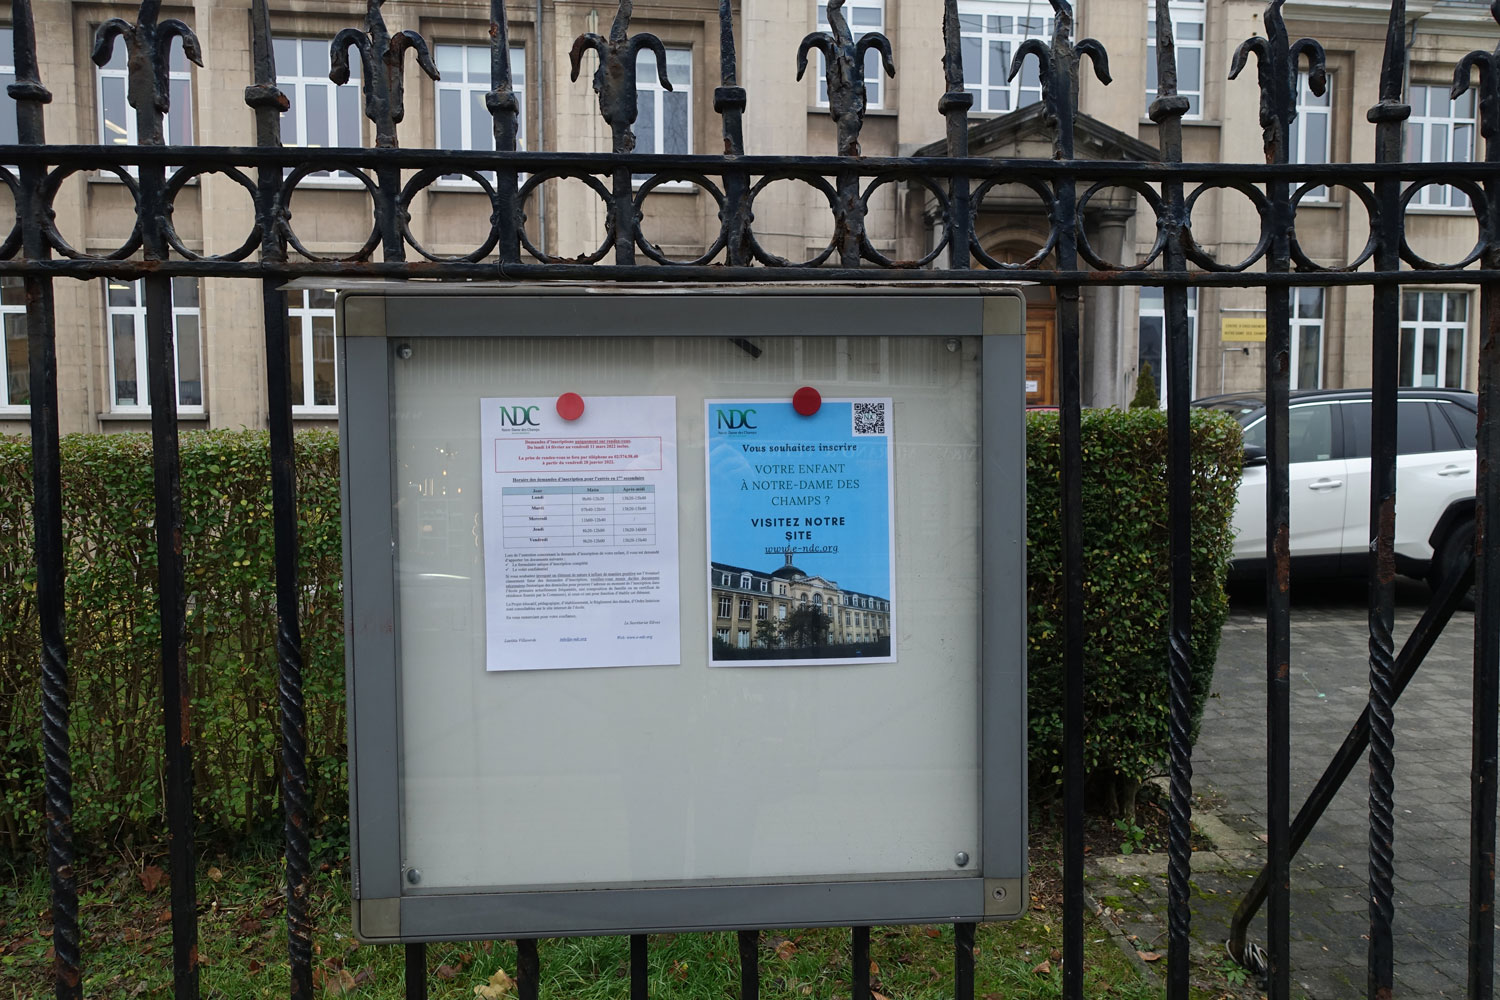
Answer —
1243 329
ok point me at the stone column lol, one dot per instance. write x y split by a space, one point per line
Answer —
1103 340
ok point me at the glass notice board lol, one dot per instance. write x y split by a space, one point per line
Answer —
573 714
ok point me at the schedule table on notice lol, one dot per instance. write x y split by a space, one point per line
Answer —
590 516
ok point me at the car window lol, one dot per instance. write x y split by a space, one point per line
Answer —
1310 429
1463 422
1413 428
1311 432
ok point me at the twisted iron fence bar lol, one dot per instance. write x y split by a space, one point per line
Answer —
148 42
268 103
1388 117
1167 111
35 238
46 485
1485 731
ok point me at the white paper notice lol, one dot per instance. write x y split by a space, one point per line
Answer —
580 533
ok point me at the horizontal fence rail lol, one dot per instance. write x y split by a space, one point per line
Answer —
953 188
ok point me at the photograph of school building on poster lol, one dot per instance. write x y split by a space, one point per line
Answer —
788 614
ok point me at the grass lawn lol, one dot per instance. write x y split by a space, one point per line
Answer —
127 949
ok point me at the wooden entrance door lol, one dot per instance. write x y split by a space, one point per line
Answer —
1041 355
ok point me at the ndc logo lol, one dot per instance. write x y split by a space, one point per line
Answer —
735 420
518 416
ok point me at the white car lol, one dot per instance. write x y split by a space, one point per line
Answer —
1329 466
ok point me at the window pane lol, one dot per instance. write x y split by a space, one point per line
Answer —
116 110
1444 438
8 131
481 123
324 379
1309 354
189 362
284 50
680 66
1432 306
645 124
321 298
1429 357
12 291
185 293
477 58
517 66
315 58
316 103
1458 306
122 345
121 293
449 59
1189 71
1317 140
294 343
1408 306
17 372
1188 31
1408 346
179 123
1310 303
450 119
348 105
999 62
1453 364
865 17
972 60
1464 421
676 139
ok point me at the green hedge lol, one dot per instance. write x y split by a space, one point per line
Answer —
1125 590
113 636
113 633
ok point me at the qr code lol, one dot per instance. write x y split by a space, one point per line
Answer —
869 419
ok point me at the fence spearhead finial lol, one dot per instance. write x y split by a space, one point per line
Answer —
148 47
615 79
1276 63
382 69
845 75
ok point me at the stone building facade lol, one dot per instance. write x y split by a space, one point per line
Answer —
101 345
742 599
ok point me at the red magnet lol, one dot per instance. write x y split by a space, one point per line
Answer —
807 401
570 406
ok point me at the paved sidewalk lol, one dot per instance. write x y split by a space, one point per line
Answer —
1329 900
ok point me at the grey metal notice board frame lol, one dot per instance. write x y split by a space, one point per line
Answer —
382 324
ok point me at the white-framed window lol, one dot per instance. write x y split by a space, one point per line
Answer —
463 119
664 123
1433 327
1187 32
1308 310
15 380
744 581
744 607
117 125
9 133
1311 137
310 340
723 605
991 31
1439 131
320 114
744 638
762 611
864 16
125 321
1151 347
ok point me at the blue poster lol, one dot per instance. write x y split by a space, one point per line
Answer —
800 533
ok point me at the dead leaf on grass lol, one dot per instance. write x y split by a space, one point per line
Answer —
255 966
1056 955
152 877
446 972
786 949
499 985
214 874
877 995
933 932
1043 968
1149 956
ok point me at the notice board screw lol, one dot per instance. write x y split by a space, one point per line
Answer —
961 858
998 892
414 875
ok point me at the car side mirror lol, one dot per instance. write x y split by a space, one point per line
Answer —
1254 455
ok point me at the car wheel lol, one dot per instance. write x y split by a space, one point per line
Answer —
1450 556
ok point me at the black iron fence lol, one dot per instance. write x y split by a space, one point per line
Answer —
955 183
